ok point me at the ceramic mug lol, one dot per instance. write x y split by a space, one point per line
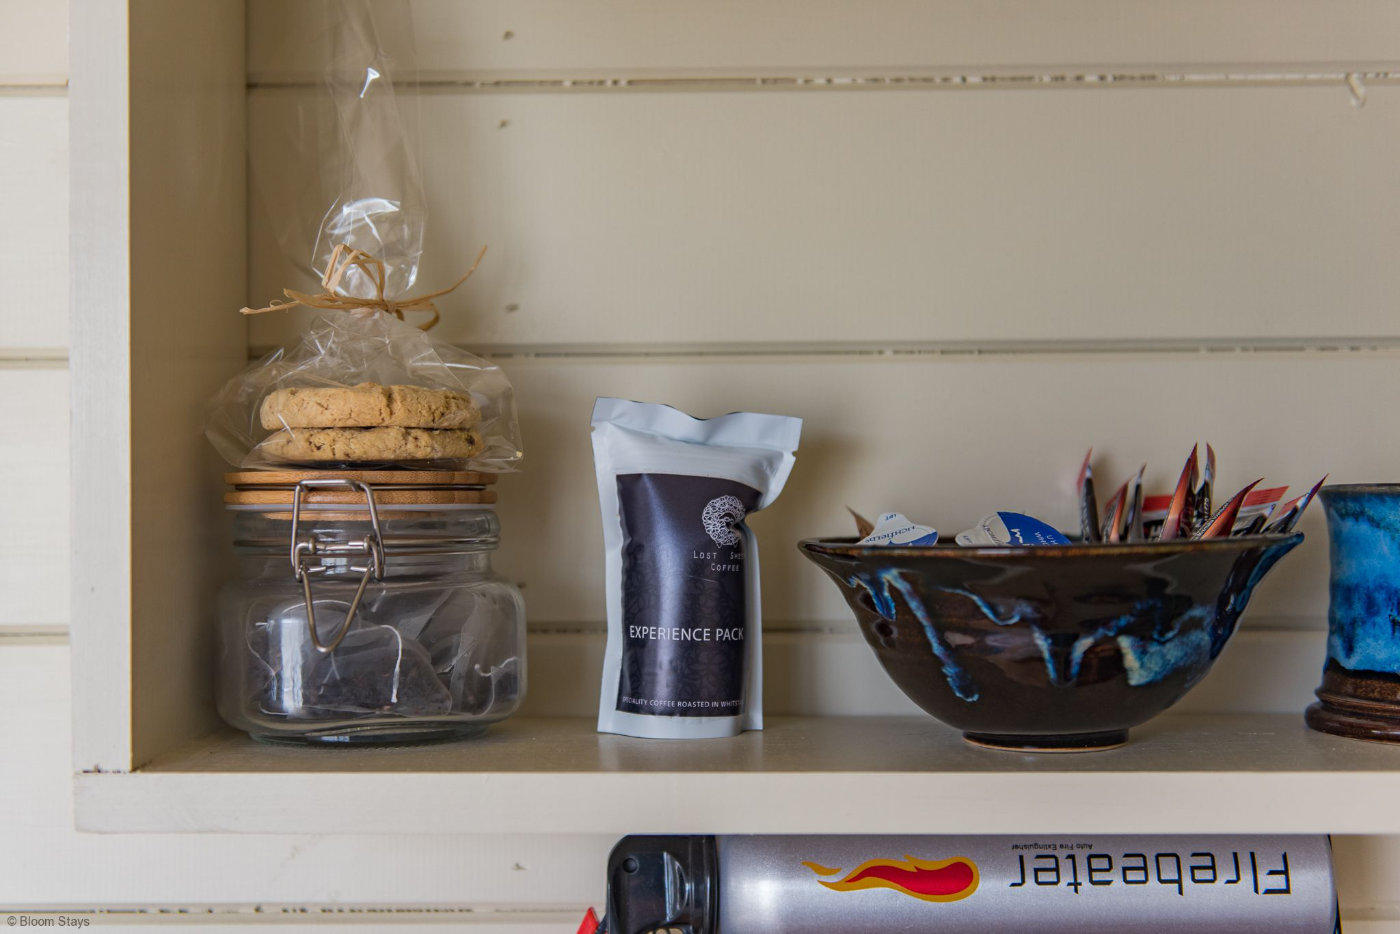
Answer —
1360 691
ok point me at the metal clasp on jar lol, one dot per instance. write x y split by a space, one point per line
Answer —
312 549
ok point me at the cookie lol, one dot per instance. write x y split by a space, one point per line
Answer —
365 445
368 405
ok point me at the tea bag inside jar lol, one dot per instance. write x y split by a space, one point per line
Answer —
374 670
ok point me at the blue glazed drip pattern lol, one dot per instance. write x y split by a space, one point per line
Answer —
1236 597
1146 661
958 679
1364 610
1150 660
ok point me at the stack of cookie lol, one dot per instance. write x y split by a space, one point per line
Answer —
369 423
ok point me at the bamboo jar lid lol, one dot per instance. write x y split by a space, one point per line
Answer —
391 487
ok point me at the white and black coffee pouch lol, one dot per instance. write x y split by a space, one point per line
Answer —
684 652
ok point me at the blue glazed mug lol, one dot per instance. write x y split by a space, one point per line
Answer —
1360 692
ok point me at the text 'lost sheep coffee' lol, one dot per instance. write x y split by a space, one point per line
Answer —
684 618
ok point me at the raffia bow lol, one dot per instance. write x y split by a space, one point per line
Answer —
343 259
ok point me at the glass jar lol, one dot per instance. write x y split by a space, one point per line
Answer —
365 609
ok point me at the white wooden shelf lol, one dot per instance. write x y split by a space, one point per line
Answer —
1181 773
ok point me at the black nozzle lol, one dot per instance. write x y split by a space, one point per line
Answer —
663 882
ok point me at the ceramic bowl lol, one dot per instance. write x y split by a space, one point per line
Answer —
1051 648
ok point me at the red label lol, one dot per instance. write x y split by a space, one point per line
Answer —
590 923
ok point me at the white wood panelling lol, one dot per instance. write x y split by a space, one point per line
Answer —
34 497
34 225
33 42
187 185
100 170
921 218
947 440
157 165
618 36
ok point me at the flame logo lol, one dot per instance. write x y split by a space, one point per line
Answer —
945 880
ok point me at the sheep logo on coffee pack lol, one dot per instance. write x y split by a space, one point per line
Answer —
720 516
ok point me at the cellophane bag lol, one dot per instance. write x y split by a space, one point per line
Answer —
370 356
342 191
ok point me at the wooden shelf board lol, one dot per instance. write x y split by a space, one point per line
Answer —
1181 773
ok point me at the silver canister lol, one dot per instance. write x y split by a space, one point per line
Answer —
973 884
